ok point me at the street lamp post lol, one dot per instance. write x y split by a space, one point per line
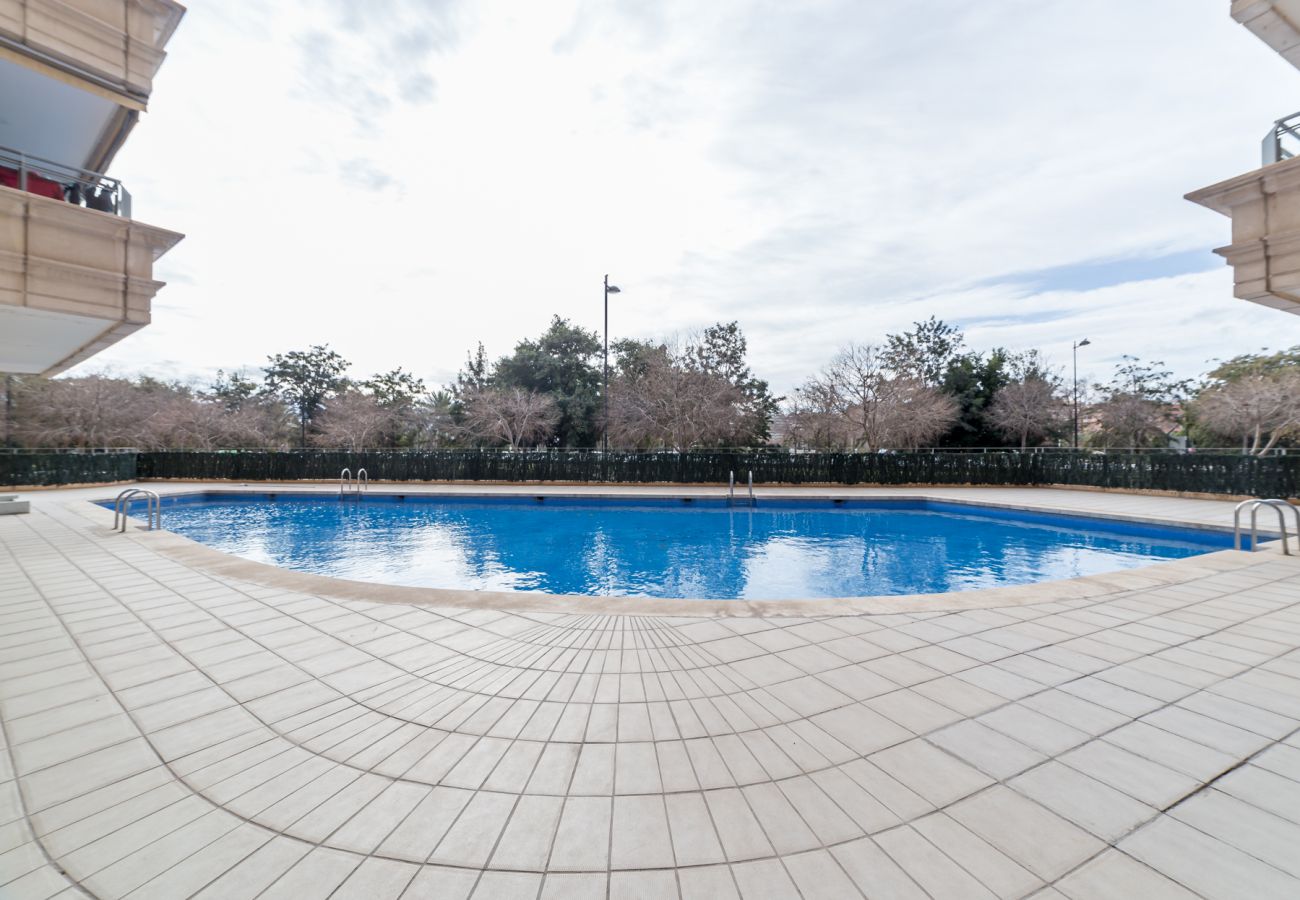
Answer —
1077 344
604 392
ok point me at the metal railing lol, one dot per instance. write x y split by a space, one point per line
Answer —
1283 140
359 484
122 508
731 490
1255 506
59 181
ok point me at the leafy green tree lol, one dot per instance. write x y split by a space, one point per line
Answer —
476 375
926 352
433 422
632 357
233 391
397 395
564 364
1254 364
305 379
973 380
721 351
396 389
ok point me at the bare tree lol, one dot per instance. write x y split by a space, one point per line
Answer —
1128 421
918 415
1259 409
815 417
94 411
352 420
1141 407
664 399
859 403
509 415
1032 409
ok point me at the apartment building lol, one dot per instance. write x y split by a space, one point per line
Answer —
76 269
1264 204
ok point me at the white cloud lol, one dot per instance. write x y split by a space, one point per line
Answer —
404 186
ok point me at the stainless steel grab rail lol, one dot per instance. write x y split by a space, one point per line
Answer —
153 508
358 483
731 489
1254 506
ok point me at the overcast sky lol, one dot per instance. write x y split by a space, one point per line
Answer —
403 179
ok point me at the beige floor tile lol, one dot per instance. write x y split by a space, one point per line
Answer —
738 829
764 880
707 883
582 838
1041 841
1116 876
1206 865
988 750
926 866
994 870
575 886
579 739
928 771
1097 807
1150 782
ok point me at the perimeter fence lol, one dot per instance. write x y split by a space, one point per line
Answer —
53 467
1235 474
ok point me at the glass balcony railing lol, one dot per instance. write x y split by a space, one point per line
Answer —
58 181
1283 140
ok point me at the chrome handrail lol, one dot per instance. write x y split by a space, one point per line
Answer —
153 508
355 483
1254 506
731 489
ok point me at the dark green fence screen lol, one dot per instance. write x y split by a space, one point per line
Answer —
48 468
1274 476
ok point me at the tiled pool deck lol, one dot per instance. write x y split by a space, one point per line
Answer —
180 725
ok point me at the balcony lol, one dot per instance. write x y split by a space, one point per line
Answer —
1275 22
76 272
1264 206
58 181
113 44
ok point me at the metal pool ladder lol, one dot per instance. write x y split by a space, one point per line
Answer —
153 508
359 485
1254 506
731 490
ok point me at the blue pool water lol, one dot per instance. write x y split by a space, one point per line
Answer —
671 548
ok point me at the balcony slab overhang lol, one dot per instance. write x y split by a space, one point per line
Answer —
1275 22
108 44
1264 206
72 281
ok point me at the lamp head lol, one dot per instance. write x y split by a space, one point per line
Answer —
612 289
1083 343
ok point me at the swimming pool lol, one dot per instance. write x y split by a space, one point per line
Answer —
681 548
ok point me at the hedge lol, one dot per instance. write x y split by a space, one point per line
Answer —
1273 476
52 468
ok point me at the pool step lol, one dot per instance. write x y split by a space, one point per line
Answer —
10 505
